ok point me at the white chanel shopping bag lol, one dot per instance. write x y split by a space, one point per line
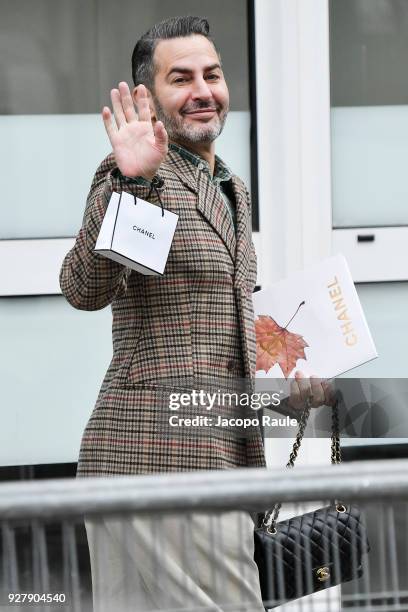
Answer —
136 233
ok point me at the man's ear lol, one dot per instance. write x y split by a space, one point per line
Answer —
151 103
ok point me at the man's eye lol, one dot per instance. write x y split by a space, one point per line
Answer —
213 77
180 80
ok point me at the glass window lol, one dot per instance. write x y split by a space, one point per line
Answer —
52 364
369 115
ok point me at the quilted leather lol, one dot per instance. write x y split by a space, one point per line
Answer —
309 553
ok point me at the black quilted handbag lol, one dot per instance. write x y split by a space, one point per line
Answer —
313 551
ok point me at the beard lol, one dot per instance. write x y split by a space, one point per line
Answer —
179 130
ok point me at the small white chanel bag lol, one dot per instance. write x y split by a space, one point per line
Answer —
136 233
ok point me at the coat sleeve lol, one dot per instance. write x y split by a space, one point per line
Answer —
88 280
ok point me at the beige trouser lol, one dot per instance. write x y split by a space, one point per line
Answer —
187 562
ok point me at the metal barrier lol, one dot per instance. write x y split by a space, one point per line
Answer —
178 532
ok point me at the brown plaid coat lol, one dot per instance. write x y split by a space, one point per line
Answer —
194 322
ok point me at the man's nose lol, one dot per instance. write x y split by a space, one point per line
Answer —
201 89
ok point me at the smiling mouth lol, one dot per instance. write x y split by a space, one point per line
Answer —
201 112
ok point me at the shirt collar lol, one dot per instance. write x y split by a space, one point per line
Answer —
221 171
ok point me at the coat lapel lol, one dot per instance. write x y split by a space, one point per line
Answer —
210 202
243 234
212 206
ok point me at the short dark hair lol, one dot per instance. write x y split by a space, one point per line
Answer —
143 69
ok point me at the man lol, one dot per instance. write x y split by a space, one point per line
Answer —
194 323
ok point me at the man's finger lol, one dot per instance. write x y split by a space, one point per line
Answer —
304 385
328 392
317 391
127 102
160 135
110 127
117 108
143 109
294 398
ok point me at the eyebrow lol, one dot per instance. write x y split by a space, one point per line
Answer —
182 70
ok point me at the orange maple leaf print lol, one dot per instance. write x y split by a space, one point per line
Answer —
275 344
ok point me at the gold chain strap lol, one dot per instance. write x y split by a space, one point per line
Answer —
273 514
